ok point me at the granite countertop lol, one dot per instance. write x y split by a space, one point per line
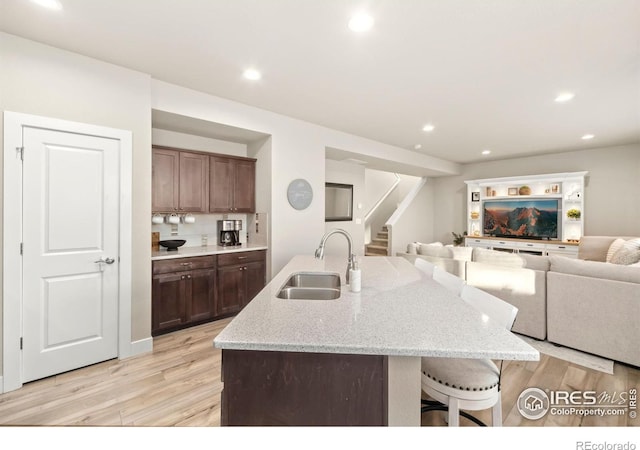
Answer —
398 312
185 252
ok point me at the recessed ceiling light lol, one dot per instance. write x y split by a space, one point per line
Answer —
252 74
417 146
586 137
361 22
49 4
486 152
565 97
428 128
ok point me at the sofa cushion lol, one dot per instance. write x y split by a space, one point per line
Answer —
594 248
435 250
629 253
613 248
595 269
461 253
486 256
535 262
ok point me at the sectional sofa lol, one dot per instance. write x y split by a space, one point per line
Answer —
587 303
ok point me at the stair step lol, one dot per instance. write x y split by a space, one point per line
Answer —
375 250
382 242
383 234
384 228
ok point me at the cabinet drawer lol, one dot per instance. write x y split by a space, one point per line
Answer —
531 246
241 257
180 264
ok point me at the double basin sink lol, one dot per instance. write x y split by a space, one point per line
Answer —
311 286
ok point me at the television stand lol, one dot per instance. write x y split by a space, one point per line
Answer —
534 238
529 246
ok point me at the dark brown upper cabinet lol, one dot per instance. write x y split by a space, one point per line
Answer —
232 185
180 181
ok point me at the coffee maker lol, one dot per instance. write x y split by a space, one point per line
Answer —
229 231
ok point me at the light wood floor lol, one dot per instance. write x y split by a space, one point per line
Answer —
178 384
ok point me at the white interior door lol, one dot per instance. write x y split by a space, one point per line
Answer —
70 254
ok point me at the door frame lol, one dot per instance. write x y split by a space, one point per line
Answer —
12 236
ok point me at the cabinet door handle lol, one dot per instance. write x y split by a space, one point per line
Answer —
561 246
182 277
529 245
186 264
189 277
242 257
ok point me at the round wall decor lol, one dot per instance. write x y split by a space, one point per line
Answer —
299 193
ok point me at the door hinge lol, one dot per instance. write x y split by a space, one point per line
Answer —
20 151
21 248
20 343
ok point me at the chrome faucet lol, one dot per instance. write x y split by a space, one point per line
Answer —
352 257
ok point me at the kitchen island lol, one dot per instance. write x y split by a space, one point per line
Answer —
354 360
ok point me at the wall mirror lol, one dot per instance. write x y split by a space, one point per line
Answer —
338 202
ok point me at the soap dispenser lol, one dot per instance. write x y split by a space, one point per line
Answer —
355 277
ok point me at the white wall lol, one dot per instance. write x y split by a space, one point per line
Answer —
261 150
346 173
611 192
41 80
200 143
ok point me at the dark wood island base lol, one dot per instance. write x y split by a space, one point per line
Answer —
264 388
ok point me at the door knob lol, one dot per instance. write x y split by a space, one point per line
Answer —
105 260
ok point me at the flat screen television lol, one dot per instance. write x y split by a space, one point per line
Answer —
524 218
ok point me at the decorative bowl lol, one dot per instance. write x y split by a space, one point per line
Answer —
525 190
173 244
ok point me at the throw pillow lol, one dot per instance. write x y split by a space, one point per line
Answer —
486 256
613 248
412 248
461 253
628 254
435 251
423 247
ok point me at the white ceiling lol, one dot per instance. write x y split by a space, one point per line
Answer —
484 72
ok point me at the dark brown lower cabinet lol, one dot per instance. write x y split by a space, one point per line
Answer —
190 291
240 277
307 389
183 293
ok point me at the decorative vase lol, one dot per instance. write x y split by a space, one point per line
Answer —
525 190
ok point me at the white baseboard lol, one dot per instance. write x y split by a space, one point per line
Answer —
142 346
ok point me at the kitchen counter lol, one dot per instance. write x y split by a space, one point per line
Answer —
352 361
398 312
185 252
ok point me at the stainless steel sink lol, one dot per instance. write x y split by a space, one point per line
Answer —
311 286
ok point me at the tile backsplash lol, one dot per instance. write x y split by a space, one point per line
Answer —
204 225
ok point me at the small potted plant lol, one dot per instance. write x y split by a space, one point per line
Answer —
458 239
574 214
